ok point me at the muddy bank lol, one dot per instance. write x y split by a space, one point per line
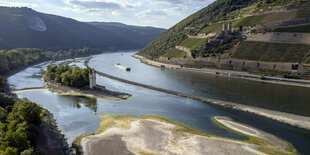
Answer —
156 135
94 93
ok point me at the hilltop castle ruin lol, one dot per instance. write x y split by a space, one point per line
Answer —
224 36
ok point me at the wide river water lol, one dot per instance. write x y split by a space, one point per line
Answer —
78 115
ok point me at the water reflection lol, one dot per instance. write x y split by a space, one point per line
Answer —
90 103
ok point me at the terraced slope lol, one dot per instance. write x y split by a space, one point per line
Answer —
252 16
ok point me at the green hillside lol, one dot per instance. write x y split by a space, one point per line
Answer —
241 13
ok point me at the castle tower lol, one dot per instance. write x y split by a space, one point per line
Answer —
92 80
224 27
230 27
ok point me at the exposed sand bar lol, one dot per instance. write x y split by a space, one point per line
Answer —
30 90
291 119
155 135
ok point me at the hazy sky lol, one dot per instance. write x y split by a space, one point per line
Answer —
158 13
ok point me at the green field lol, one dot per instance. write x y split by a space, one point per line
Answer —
249 21
174 53
273 52
213 28
300 29
193 43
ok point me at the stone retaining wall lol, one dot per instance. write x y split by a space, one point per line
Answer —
233 64
303 38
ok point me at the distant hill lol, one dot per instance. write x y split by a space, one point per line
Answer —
140 35
24 27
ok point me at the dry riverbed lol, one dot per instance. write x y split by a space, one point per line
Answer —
156 135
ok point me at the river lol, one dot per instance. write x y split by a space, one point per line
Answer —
78 115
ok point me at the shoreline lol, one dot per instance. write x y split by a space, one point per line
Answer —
101 94
125 134
227 73
283 117
50 139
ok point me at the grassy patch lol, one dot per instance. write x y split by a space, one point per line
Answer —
142 152
272 52
298 29
174 53
193 43
263 144
213 28
249 21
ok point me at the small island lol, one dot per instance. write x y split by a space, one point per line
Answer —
76 81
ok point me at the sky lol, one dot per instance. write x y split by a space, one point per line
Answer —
157 13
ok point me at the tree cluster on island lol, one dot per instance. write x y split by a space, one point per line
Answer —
69 76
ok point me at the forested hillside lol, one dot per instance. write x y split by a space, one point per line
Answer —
26 28
140 35
22 57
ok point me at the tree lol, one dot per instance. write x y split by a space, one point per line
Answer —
51 76
10 151
2 84
3 114
4 64
66 78
49 68
18 140
15 58
6 100
29 112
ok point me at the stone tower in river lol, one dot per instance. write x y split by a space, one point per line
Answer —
92 79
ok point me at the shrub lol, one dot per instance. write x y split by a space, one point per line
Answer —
10 151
